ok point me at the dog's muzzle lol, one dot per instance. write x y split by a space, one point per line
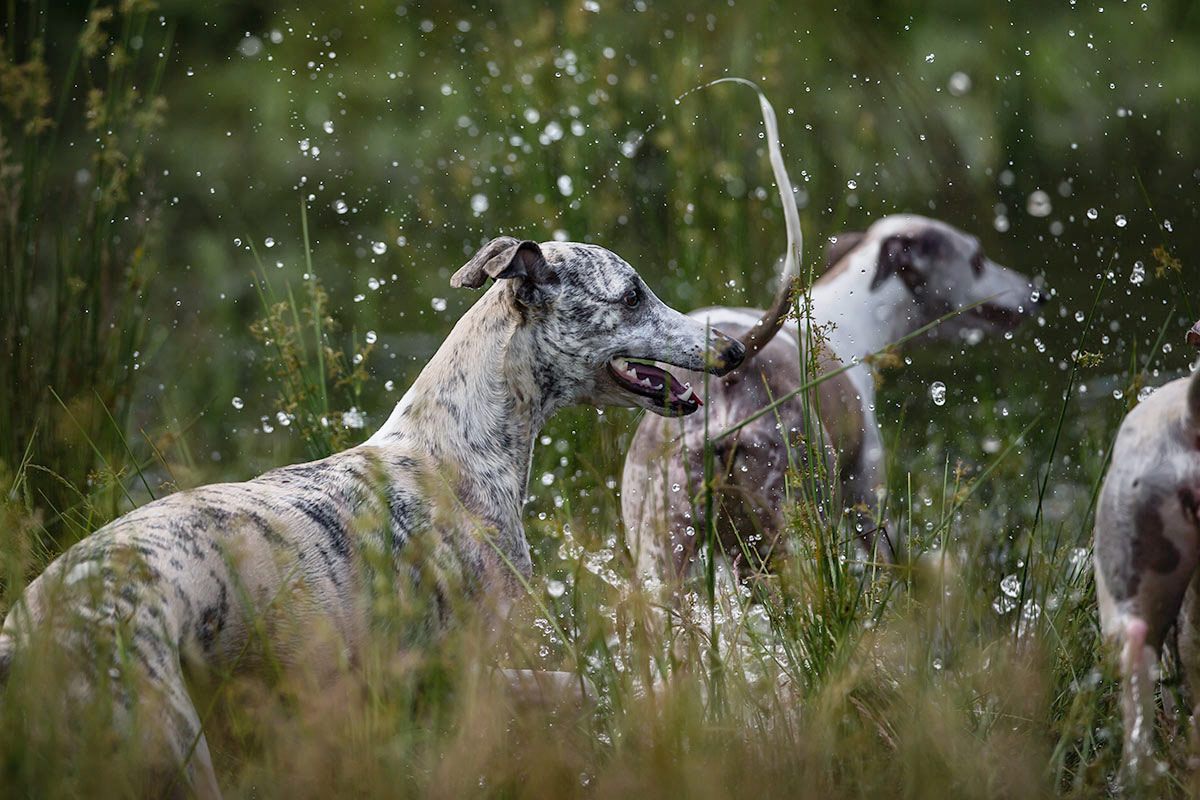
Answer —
644 377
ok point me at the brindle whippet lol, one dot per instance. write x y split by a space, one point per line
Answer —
191 583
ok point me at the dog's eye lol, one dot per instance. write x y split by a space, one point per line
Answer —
631 298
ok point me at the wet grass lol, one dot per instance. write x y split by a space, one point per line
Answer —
975 672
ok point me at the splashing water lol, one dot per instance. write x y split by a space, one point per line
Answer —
937 390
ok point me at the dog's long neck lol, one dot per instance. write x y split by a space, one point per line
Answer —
476 409
864 321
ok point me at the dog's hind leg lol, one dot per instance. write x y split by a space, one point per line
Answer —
187 745
154 711
1188 628
1138 662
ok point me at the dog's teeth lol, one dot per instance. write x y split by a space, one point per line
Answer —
646 382
687 393
621 364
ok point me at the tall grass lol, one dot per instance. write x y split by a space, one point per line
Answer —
950 675
78 219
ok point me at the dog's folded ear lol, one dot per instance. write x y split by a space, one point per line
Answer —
505 257
839 246
490 262
895 258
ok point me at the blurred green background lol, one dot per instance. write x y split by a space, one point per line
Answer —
1062 134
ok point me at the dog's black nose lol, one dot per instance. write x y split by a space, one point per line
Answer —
730 354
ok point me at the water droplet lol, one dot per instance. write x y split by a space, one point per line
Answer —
1038 204
1144 393
566 185
1080 316
1118 394
353 418
327 126
373 283
389 386
340 206
547 478
371 337
358 298
937 390
851 184
1093 213
929 58
479 204
1002 604
1121 221
237 402
269 242
959 83
1010 585
379 248
1139 273
674 487
283 418
438 303
555 588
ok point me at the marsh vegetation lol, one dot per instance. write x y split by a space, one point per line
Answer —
227 233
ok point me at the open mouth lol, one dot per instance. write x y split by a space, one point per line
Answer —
648 380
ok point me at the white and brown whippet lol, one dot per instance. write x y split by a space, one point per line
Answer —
904 272
1146 549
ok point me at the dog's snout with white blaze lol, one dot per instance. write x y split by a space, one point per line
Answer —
603 330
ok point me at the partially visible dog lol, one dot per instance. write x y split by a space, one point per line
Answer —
225 577
1146 549
904 272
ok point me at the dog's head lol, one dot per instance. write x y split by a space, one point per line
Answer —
598 327
943 269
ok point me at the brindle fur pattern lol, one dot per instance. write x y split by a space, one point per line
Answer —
904 272
1146 549
220 578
